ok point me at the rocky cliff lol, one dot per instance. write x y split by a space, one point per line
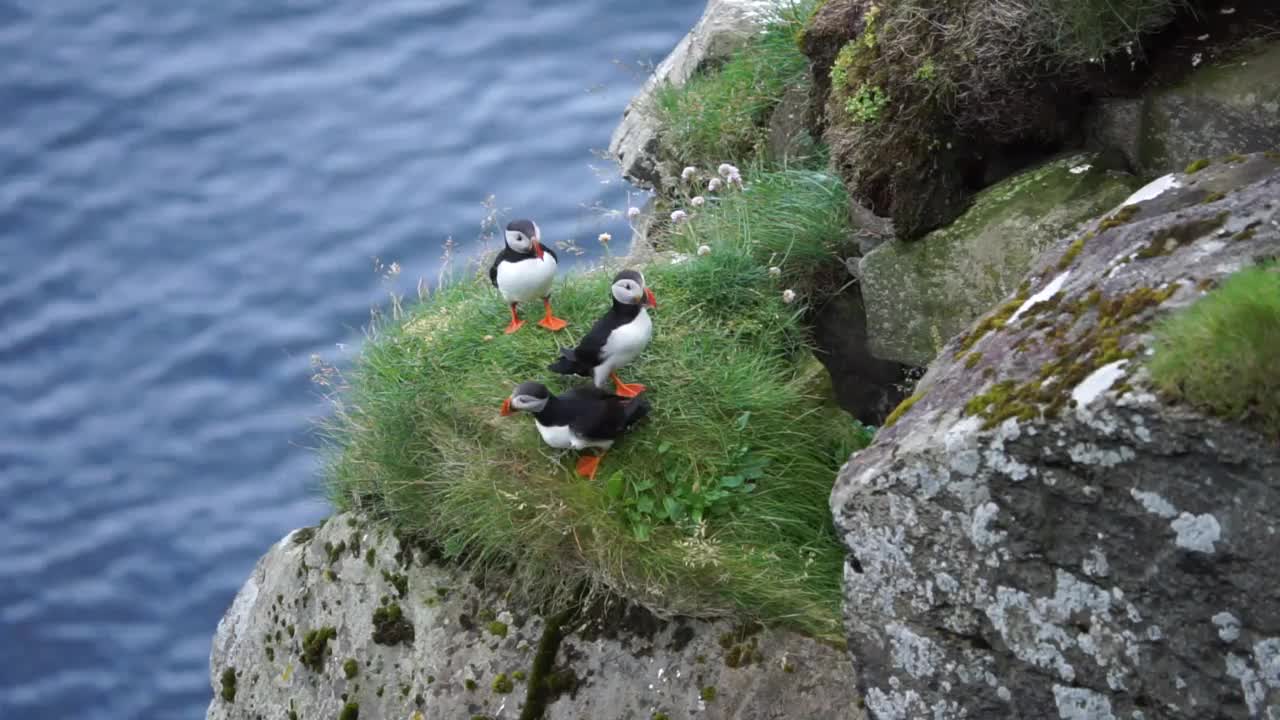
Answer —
349 621
1039 534
1036 532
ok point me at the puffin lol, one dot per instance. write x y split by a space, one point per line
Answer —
581 418
523 272
616 339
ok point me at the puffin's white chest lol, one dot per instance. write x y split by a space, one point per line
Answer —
626 342
526 280
564 438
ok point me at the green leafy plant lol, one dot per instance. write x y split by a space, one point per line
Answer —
867 104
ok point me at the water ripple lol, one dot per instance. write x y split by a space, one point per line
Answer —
191 199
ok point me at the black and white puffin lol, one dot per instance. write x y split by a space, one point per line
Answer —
584 417
616 339
524 271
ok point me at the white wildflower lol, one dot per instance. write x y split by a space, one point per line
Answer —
605 238
726 170
713 185
679 216
1228 11
775 271
488 338
697 201
704 249
393 270
633 213
1203 37
735 178
788 296
688 173
1197 59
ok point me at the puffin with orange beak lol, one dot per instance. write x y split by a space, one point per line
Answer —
582 418
524 271
616 339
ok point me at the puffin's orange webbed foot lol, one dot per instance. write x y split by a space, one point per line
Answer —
588 464
622 389
550 321
516 323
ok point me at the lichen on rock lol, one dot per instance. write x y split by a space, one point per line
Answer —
1041 534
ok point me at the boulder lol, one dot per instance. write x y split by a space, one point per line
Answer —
789 137
918 294
1039 535
1221 108
348 616
724 27
866 387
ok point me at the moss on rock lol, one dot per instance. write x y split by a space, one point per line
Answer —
390 627
228 692
315 647
919 295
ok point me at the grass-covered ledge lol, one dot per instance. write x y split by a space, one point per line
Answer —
1222 354
722 114
715 505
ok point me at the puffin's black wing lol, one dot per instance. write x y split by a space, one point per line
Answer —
493 269
599 414
547 249
588 354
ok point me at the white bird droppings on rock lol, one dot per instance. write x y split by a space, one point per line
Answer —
1153 189
1098 382
1049 291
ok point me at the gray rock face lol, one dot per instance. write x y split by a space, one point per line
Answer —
1039 536
918 294
1231 107
789 136
724 27
344 616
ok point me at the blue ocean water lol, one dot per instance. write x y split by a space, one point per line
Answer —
192 196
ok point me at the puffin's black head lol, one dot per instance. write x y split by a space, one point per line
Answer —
523 237
527 397
629 289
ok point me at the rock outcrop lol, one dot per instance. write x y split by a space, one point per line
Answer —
1228 107
345 621
1040 536
919 294
724 27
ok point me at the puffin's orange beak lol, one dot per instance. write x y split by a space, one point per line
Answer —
506 407
537 249
650 299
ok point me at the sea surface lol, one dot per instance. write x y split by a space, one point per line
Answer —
196 198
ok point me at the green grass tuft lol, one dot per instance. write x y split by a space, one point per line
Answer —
714 505
722 115
1222 354
795 220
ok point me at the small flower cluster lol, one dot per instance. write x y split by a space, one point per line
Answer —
728 177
